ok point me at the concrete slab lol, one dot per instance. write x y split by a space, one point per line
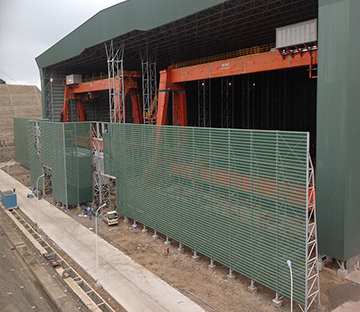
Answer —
354 276
134 287
342 273
348 307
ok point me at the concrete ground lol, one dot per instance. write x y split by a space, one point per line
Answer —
348 307
134 287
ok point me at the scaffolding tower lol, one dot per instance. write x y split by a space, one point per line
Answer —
101 181
49 101
227 102
47 180
37 136
248 101
115 60
149 81
204 103
312 254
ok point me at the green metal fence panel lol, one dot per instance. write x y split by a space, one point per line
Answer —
21 142
66 149
235 196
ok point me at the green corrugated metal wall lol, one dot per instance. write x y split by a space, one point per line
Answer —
72 154
21 142
235 196
338 115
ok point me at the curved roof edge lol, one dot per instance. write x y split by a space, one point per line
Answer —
118 20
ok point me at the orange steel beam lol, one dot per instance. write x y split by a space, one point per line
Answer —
162 107
180 109
136 108
242 65
165 86
172 79
80 113
65 113
78 91
100 85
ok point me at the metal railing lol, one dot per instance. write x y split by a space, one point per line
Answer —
229 55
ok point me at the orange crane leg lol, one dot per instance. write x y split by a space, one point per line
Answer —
80 114
163 102
65 113
136 109
180 108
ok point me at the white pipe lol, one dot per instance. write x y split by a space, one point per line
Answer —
97 248
37 193
291 283
65 176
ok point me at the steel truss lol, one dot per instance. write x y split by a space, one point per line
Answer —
37 136
227 102
204 103
101 181
115 60
149 81
47 181
49 100
312 270
266 100
248 101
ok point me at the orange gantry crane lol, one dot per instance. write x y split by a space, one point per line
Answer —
173 79
83 91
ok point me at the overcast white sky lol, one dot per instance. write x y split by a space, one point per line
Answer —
29 27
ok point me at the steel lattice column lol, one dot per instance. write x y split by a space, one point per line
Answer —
102 181
204 103
248 101
49 102
312 254
47 181
266 112
115 59
282 101
149 81
37 136
227 102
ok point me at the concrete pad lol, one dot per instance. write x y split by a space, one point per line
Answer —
342 273
130 284
354 276
348 307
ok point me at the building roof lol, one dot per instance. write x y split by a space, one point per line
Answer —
175 30
120 19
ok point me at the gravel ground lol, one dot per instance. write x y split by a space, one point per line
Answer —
19 290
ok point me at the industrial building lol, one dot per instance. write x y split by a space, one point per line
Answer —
207 118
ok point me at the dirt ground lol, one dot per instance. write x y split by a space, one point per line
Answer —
193 278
